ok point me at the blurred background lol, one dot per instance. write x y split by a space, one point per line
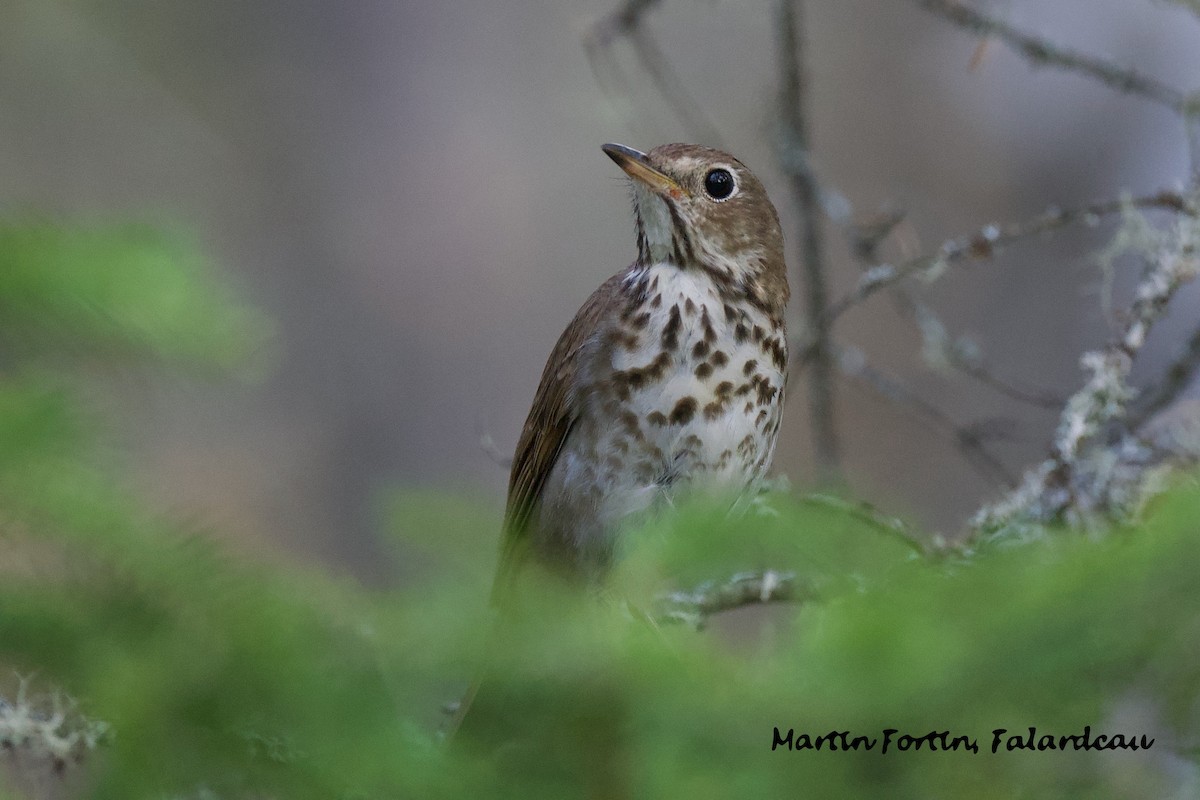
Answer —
414 192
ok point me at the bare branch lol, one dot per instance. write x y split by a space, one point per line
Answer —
1191 122
964 356
1177 378
969 440
1097 471
938 347
984 243
867 513
1191 5
627 22
694 607
48 729
795 156
1043 53
619 23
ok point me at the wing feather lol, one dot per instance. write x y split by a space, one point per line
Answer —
556 409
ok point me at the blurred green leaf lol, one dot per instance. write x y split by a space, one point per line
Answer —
116 288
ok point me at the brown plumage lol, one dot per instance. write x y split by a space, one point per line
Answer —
669 377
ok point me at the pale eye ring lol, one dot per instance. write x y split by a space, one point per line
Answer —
719 184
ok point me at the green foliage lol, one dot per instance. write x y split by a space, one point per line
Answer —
112 290
224 679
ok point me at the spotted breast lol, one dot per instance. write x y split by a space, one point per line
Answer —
670 378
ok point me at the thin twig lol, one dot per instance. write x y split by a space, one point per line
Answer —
865 242
49 729
965 358
984 243
968 439
694 607
861 510
1041 52
1191 5
1191 122
795 156
1177 378
627 22
670 87
1096 471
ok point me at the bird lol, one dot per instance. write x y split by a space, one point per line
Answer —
670 378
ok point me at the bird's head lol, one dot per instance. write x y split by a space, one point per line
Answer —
700 208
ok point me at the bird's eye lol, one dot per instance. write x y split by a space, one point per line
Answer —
719 184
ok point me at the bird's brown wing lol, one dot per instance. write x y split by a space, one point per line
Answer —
556 408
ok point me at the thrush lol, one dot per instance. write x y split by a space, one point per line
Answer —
669 379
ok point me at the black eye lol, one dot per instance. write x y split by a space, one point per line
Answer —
719 184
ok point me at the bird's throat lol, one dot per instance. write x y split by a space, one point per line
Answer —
662 235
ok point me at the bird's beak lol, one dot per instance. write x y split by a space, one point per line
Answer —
637 166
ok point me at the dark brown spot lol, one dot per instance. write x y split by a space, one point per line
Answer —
641 320
766 393
657 418
749 408
759 333
683 411
761 418
778 352
693 441
713 410
637 377
704 370
744 389
621 338
620 382
688 306
724 389
746 445
751 365
630 421
730 313
670 334
710 334
657 301
620 445
683 254
741 333
700 350
719 359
